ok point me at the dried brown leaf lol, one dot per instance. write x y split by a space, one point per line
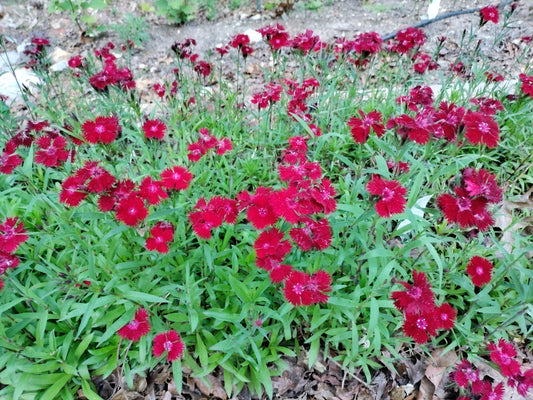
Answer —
426 391
214 389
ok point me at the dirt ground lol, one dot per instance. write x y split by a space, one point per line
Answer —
416 378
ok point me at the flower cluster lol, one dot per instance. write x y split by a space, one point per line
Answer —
37 53
267 97
12 235
407 39
527 84
503 354
468 207
161 234
241 41
207 141
275 36
169 341
422 318
423 63
111 75
212 214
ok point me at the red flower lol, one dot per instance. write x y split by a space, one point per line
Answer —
162 234
196 151
302 289
481 183
445 316
315 234
99 179
260 210
176 178
101 130
360 127
239 40
151 191
12 235
73 191
204 221
52 153
464 210
408 38
170 342
527 84
522 382
420 326
280 272
489 13
7 261
137 328
75 62
480 270
203 68
154 128
503 354
224 145
1 284
487 105
418 298
131 210
488 392
8 162
465 374
271 243
392 200
481 128
324 195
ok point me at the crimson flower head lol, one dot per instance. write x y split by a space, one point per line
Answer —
418 297
154 128
527 84
504 355
239 40
261 212
8 162
75 62
161 235
420 326
391 193
303 290
101 130
170 342
360 127
12 235
489 13
73 191
176 178
445 316
271 243
8 261
464 210
131 210
137 328
480 270
52 151
481 128
151 191
465 374
224 145
481 183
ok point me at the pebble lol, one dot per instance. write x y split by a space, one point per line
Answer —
10 88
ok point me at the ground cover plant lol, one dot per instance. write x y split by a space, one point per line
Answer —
344 210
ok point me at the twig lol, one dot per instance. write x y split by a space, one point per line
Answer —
444 16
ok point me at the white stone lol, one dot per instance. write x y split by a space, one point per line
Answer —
26 78
11 57
253 35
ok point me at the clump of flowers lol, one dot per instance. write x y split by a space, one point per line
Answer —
422 318
207 141
468 207
407 39
12 235
503 354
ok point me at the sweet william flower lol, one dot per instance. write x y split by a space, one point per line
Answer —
52 151
504 355
161 235
73 191
489 13
8 162
176 178
139 327
151 191
101 130
527 84
170 342
481 128
420 326
131 210
481 183
445 316
12 235
392 196
303 290
480 270
154 128
418 297
360 127
465 374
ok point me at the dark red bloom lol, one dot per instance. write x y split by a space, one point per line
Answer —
8 261
204 221
239 40
154 128
367 43
170 342
489 13
315 234
139 327
270 95
303 289
504 355
270 243
99 180
101 130
522 382
445 316
480 270
260 210
481 128
52 153
465 374
487 105
161 235
420 326
75 62
392 196
151 191
203 68
223 146
131 210
73 191
306 42
481 183
417 298
407 39
448 119
464 210
360 127
527 84
12 235
176 178
419 95
8 162
424 63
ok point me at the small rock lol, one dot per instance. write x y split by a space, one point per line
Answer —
256 17
9 86
11 57
253 35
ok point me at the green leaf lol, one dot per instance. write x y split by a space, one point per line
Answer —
88 392
53 390
97 4
177 375
83 345
313 351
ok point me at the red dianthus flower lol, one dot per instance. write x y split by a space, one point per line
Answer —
101 130
52 153
489 13
12 235
481 128
176 178
131 210
504 355
137 328
392 196
154 128
480 270
418 298
170 342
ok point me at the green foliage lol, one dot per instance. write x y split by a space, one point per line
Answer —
79 11
132 28
177 11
